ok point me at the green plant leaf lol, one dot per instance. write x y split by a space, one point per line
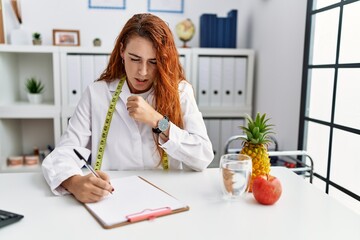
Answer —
34 86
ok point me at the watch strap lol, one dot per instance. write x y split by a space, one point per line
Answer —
156 130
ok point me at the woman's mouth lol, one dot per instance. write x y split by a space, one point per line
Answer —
141 80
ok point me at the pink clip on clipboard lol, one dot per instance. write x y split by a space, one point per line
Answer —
148 214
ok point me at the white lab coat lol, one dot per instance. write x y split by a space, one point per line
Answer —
130 144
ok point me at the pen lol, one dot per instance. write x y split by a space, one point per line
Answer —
86 164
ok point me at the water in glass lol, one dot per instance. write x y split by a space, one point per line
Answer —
235 174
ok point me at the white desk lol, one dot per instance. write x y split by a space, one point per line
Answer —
303 212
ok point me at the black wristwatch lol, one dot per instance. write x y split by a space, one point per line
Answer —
162 125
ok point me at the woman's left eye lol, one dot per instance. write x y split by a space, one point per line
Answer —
152 62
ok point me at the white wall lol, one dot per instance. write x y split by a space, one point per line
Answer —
278 28
274 28
44 15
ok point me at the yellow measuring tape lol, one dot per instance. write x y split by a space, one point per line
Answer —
107 123
106 127
165 161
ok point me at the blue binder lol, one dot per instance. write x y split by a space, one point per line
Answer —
204 30
218 32
221 32
232 15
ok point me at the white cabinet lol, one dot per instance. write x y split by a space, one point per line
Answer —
219 131
79 67
25 126
222 80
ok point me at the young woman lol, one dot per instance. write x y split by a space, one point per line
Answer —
140 114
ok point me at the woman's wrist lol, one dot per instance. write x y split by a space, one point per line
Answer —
68 183
155 119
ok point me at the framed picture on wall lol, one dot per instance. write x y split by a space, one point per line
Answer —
63 37
170 6
107 4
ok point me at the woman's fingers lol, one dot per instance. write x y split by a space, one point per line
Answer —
101 186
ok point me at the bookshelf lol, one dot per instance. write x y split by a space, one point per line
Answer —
24 126
223 82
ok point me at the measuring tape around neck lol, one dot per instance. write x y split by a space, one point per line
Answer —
106 127
107 123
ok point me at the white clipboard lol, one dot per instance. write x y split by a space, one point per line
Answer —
134 199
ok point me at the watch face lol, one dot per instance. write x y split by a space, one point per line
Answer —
163 124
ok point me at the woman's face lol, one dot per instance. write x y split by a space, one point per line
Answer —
140 64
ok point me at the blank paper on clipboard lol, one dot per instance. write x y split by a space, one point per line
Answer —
133 196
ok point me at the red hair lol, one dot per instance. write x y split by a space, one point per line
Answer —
170 72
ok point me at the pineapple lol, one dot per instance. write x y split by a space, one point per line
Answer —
256 143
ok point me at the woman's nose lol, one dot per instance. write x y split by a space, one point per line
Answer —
143 69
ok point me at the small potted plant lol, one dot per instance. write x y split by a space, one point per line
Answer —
36 38
35 89
97 42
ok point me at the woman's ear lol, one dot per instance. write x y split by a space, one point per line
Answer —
122 50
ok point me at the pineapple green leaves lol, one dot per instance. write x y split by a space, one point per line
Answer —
34 86
258 130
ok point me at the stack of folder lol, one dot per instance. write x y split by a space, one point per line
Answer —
218 32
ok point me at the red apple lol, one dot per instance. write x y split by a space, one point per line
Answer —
266 189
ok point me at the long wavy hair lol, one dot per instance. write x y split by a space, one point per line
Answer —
170 72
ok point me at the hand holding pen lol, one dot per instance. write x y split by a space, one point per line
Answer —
88 166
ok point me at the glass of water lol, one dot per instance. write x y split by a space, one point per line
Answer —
235 172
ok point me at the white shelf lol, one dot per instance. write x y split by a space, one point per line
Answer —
27 49
17 66
24 125
85 50
223 52
16 169
27 110
240 103
53 49
225 112
185 59
19 136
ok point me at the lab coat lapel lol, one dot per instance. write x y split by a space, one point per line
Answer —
121 107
